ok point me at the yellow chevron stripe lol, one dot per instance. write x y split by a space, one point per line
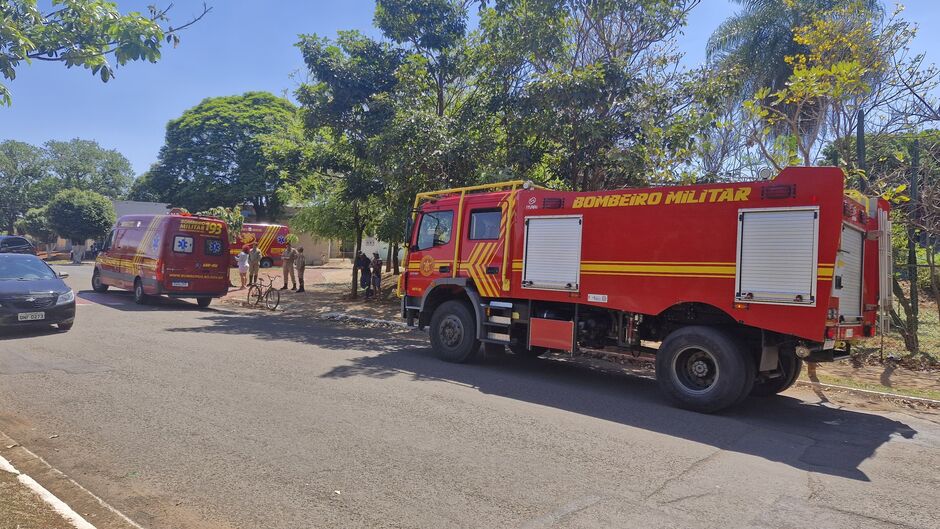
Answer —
269 234
478 251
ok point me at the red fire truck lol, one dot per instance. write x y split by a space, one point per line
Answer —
180 256
731 286
271 239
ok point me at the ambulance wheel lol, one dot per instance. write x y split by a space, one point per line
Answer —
790 368
96 283
453 332
520 349
266 263
203 302
140 297
704 369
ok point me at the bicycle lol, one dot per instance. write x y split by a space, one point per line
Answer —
267 294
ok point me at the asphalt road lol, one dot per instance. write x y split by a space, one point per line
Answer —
182 418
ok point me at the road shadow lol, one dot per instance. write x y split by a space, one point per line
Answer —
28 331
124 301
813 437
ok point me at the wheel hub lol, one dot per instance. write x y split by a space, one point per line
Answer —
699 368
451 332
695 369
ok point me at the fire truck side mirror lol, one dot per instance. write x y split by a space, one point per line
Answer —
409 225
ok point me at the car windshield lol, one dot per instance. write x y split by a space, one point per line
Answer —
24 268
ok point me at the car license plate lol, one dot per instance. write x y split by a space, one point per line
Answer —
180 284
31 316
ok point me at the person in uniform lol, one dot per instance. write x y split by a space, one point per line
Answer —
300 264
254 263
287 266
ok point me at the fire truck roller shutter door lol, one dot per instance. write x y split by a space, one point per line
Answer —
552 253
777 255
848 288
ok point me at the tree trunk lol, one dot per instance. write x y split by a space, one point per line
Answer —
355 274
388 259
934 280
908 326
395 261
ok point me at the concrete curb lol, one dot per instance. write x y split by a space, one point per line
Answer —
931 403
55 503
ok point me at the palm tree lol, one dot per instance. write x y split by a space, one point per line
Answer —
760 35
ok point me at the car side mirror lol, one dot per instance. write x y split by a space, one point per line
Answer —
63 275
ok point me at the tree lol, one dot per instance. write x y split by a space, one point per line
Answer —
214 154
232 216
81 33
35 223
760 37
83 164
79 216
22 168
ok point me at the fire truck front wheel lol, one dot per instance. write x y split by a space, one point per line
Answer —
704 369
453 332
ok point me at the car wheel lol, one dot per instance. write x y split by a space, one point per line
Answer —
790 366
453 332
96 283
65 326
140 297
704 369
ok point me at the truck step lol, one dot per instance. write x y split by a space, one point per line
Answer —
500 305
497 337
499 320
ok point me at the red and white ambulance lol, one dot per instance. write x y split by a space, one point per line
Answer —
180 256
271 239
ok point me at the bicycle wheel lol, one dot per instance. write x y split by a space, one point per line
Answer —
272 298
254 295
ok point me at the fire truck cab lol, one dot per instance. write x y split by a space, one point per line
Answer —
728 287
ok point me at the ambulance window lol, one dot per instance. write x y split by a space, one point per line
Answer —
213 247
182 244
435 229
109 241
484 225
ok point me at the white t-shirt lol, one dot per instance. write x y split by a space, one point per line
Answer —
242 260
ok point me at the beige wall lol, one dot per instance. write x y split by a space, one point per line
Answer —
317 249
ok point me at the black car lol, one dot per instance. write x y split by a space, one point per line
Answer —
32 293
16 244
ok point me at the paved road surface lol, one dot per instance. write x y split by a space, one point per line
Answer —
187 418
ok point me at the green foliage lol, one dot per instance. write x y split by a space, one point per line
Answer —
80 215
214 154
232 216
83 164
81 33
35 223
22 169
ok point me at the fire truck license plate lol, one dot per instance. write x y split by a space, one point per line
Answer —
31 316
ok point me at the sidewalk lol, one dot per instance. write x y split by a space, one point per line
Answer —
21 508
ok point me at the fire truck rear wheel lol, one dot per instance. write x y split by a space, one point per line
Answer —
453 332
704 369
140 297
96 283
790 367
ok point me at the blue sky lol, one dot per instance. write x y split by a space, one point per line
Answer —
241 45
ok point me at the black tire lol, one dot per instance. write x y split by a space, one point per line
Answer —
203 302
266 262
140 297
272 298
790 367
453 332
64 327
519 349
255 295
704 369
96 283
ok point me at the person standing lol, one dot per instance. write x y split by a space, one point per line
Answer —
365 276
254 263
300 264
287 266
376 274
242 261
